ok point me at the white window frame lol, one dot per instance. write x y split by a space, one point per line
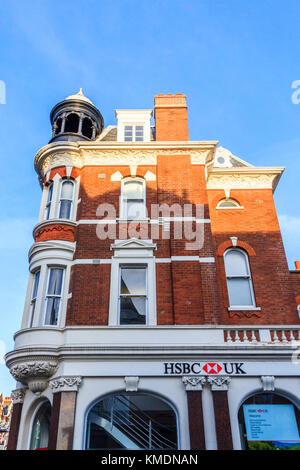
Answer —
132 253
60 296
66 180
123 201
249 277
134 132
48 204
133 266
33 299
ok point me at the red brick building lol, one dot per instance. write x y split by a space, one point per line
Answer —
160 305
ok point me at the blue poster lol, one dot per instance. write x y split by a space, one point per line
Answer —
271 423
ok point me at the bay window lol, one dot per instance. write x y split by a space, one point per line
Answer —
54 295
66 200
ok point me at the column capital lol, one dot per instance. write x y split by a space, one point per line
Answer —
219 383
193 383
18 395
65 384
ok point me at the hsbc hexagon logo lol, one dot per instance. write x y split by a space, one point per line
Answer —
212 368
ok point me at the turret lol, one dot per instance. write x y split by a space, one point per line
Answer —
75 118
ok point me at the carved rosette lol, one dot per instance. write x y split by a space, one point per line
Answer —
194 383
65 384
35 374
18 395
219 383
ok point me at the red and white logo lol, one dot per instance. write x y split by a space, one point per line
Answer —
212 368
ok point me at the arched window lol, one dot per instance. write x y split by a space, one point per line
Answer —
239 282
133 203
228 204
132 421
58 125
87 128
72 123
49 200
41 427
66 199
269 421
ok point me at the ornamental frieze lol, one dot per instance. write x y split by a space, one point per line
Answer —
143 156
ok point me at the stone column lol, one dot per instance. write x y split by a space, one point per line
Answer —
17 399
193 386
63 412
219 387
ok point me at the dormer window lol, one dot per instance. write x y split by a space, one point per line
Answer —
134 125
133 133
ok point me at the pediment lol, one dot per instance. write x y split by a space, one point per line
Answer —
133 243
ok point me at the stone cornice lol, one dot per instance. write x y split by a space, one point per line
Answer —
118 153
244 178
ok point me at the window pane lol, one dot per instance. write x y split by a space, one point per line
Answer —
228 203
67 190
132 311
36 285
50 192
133 281
133 190
52 310
55 281
239 292
236 264
65 209
135 209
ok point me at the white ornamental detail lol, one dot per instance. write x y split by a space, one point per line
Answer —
219 383
193 384
65 384
34 374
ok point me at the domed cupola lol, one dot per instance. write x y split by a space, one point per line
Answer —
76 118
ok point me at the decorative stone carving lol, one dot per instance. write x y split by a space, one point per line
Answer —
238 180
18 395
268 383
34 374
131 384
54 156
65 384
194 383
219 383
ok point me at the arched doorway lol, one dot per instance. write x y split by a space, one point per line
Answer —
41 427
269 421
131 421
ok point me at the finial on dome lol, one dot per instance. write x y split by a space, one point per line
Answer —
79 96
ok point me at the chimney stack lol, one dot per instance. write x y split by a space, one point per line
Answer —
171 117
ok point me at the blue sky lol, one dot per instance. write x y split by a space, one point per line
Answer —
235 60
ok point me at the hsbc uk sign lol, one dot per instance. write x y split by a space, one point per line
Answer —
204 368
